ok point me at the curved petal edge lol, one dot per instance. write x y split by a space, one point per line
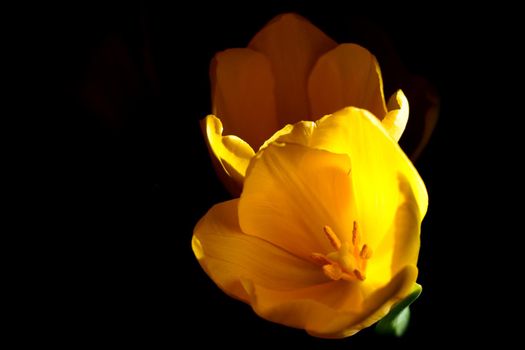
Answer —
396 119
230 154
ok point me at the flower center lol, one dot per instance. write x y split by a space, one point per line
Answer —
348 261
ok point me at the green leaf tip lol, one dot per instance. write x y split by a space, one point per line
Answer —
397 320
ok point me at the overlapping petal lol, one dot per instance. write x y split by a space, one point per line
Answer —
357 133
230 256
243 94
291 192
334 310
292 71
292 45
231 154
348 75
381 173
377 158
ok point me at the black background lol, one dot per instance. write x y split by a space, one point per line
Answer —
128 84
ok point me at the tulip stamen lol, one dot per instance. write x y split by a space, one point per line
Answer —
334 240
334 271
348 261
366 252
359 275
355 239
320 259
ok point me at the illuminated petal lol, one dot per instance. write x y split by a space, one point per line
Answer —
377 161
243 94
348 75
229 256
332 310
400 247
396 119
291 192
231 154
377 164
299 133
407 226
292 44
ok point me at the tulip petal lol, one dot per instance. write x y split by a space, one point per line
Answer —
348 75
230 152
299 133
378 167
400 246
229 256
323 311
293 45
378 162
396 119
243 94
291 192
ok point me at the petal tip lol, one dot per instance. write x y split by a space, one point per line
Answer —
230 154
396 119
196 246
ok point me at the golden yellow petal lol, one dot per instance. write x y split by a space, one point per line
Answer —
407 227
348 75
400 247
314 309
229 256
243 94
293 45
291 192
396 119
331 310
377 163
231 155
299 133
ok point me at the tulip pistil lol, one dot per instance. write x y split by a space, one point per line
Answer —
348 261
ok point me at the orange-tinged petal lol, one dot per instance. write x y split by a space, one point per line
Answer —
332 310
231 154
243 94
293 45
396 119
291 192
377 163
348 75
376 158
229 256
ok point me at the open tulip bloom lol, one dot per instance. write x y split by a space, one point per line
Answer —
325 234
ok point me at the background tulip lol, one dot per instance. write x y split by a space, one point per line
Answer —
290 71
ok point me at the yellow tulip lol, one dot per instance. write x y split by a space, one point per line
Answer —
290 71
325 236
